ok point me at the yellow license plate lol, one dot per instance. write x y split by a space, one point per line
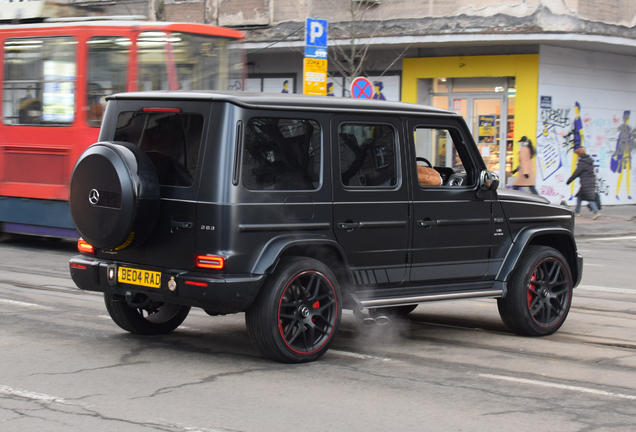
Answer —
139 277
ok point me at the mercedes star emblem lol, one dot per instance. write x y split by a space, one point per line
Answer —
93 196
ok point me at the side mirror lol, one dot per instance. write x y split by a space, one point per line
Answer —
488 180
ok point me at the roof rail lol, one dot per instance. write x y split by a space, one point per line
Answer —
98 18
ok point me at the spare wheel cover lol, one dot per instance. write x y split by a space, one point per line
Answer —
114 195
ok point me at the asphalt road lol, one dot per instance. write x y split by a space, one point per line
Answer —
452 366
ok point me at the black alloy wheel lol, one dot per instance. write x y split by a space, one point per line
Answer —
156 319
296 315
540 293
548 292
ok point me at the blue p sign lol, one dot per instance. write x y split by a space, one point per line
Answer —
316 33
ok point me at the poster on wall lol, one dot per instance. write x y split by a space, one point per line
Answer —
605 135
335 86
486 129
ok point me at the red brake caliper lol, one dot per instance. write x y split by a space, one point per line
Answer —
531 290
316 305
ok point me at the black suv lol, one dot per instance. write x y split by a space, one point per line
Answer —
290 208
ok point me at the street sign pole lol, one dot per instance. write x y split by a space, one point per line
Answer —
315 63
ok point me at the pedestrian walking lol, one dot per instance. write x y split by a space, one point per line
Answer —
587 191
526 167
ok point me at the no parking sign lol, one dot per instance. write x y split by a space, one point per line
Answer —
361 88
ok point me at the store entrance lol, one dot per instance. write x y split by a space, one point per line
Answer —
485 117
487 104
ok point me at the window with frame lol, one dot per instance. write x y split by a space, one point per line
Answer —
171 141
39 81
108 58
282 154
367 155
442 149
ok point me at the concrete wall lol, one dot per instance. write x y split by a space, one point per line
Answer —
190 11
557 15
605 87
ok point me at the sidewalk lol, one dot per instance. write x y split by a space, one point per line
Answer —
616 220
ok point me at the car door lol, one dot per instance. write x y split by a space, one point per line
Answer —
451 217
370 198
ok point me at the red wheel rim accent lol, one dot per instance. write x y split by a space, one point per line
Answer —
307 312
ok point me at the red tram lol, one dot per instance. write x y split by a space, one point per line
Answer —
55 76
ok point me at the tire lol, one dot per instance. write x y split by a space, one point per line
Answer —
539 293
164 319
114 195
295 317
394 311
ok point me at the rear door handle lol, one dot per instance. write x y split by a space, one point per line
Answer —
178 225
348 225
426 223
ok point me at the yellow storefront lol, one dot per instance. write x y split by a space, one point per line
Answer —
489 91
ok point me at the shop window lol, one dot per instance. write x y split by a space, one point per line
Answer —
108 58
478 84
282 154
283 84
440 85
39 81
367 155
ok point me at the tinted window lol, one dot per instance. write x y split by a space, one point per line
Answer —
367 155
440 146
171 141
39 81
281 154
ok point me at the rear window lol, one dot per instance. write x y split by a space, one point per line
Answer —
281 154
171 141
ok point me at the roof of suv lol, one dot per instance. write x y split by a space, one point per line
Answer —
287 101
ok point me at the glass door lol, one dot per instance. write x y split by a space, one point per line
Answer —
485 117
486 125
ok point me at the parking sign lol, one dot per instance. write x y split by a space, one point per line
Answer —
316 33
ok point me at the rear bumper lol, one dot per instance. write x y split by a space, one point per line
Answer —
216 294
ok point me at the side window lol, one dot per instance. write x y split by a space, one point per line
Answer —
281 154
171 141
39 81
440 148
107 67
367 155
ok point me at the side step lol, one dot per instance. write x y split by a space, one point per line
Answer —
403 301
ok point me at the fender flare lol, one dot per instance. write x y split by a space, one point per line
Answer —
521 243
271 252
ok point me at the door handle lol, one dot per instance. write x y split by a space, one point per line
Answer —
178 225
426 223
348 225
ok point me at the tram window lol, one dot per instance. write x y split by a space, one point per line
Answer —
108 58
170 140
202 62
39 81
151 59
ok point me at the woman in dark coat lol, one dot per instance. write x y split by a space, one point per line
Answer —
587 192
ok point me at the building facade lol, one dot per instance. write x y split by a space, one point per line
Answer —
561 72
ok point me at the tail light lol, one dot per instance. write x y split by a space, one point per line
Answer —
210 262
84 247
